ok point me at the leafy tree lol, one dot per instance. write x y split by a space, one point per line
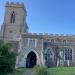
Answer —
7 59
57 50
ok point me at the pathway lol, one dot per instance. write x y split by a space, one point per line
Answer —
28 72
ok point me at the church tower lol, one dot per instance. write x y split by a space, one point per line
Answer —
14 21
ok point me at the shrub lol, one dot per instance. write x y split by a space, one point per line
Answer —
37 70
7 59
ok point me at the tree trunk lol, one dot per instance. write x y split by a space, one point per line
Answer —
57 62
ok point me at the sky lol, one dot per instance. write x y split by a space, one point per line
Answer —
47 16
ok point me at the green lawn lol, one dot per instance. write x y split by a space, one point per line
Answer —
19 71
52 71
62 71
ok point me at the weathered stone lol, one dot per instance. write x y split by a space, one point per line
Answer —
23 42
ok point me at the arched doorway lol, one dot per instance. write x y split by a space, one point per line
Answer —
31 60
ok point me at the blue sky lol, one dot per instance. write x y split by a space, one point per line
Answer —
47 16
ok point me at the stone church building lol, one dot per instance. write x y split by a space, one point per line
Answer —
32 49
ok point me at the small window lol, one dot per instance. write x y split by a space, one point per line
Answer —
32 42
12 18
52 40
64 41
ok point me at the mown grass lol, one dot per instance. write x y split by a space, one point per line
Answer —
19 71
62 71
51 71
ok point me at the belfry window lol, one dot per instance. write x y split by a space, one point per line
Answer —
12 18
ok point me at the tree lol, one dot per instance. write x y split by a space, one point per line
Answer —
56 49
7 59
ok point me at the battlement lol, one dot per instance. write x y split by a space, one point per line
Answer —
55 35
17 4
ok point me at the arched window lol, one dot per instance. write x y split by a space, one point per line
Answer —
12 18
49 55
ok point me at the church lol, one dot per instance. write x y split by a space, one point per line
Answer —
50 50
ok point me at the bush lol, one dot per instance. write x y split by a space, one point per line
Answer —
37 70
7 59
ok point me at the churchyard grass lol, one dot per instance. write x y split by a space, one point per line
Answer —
62 71
19 71
51 71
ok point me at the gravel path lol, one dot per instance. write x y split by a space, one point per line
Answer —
28 72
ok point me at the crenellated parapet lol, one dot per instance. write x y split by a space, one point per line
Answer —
16 5
49 35
12 3
53 35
